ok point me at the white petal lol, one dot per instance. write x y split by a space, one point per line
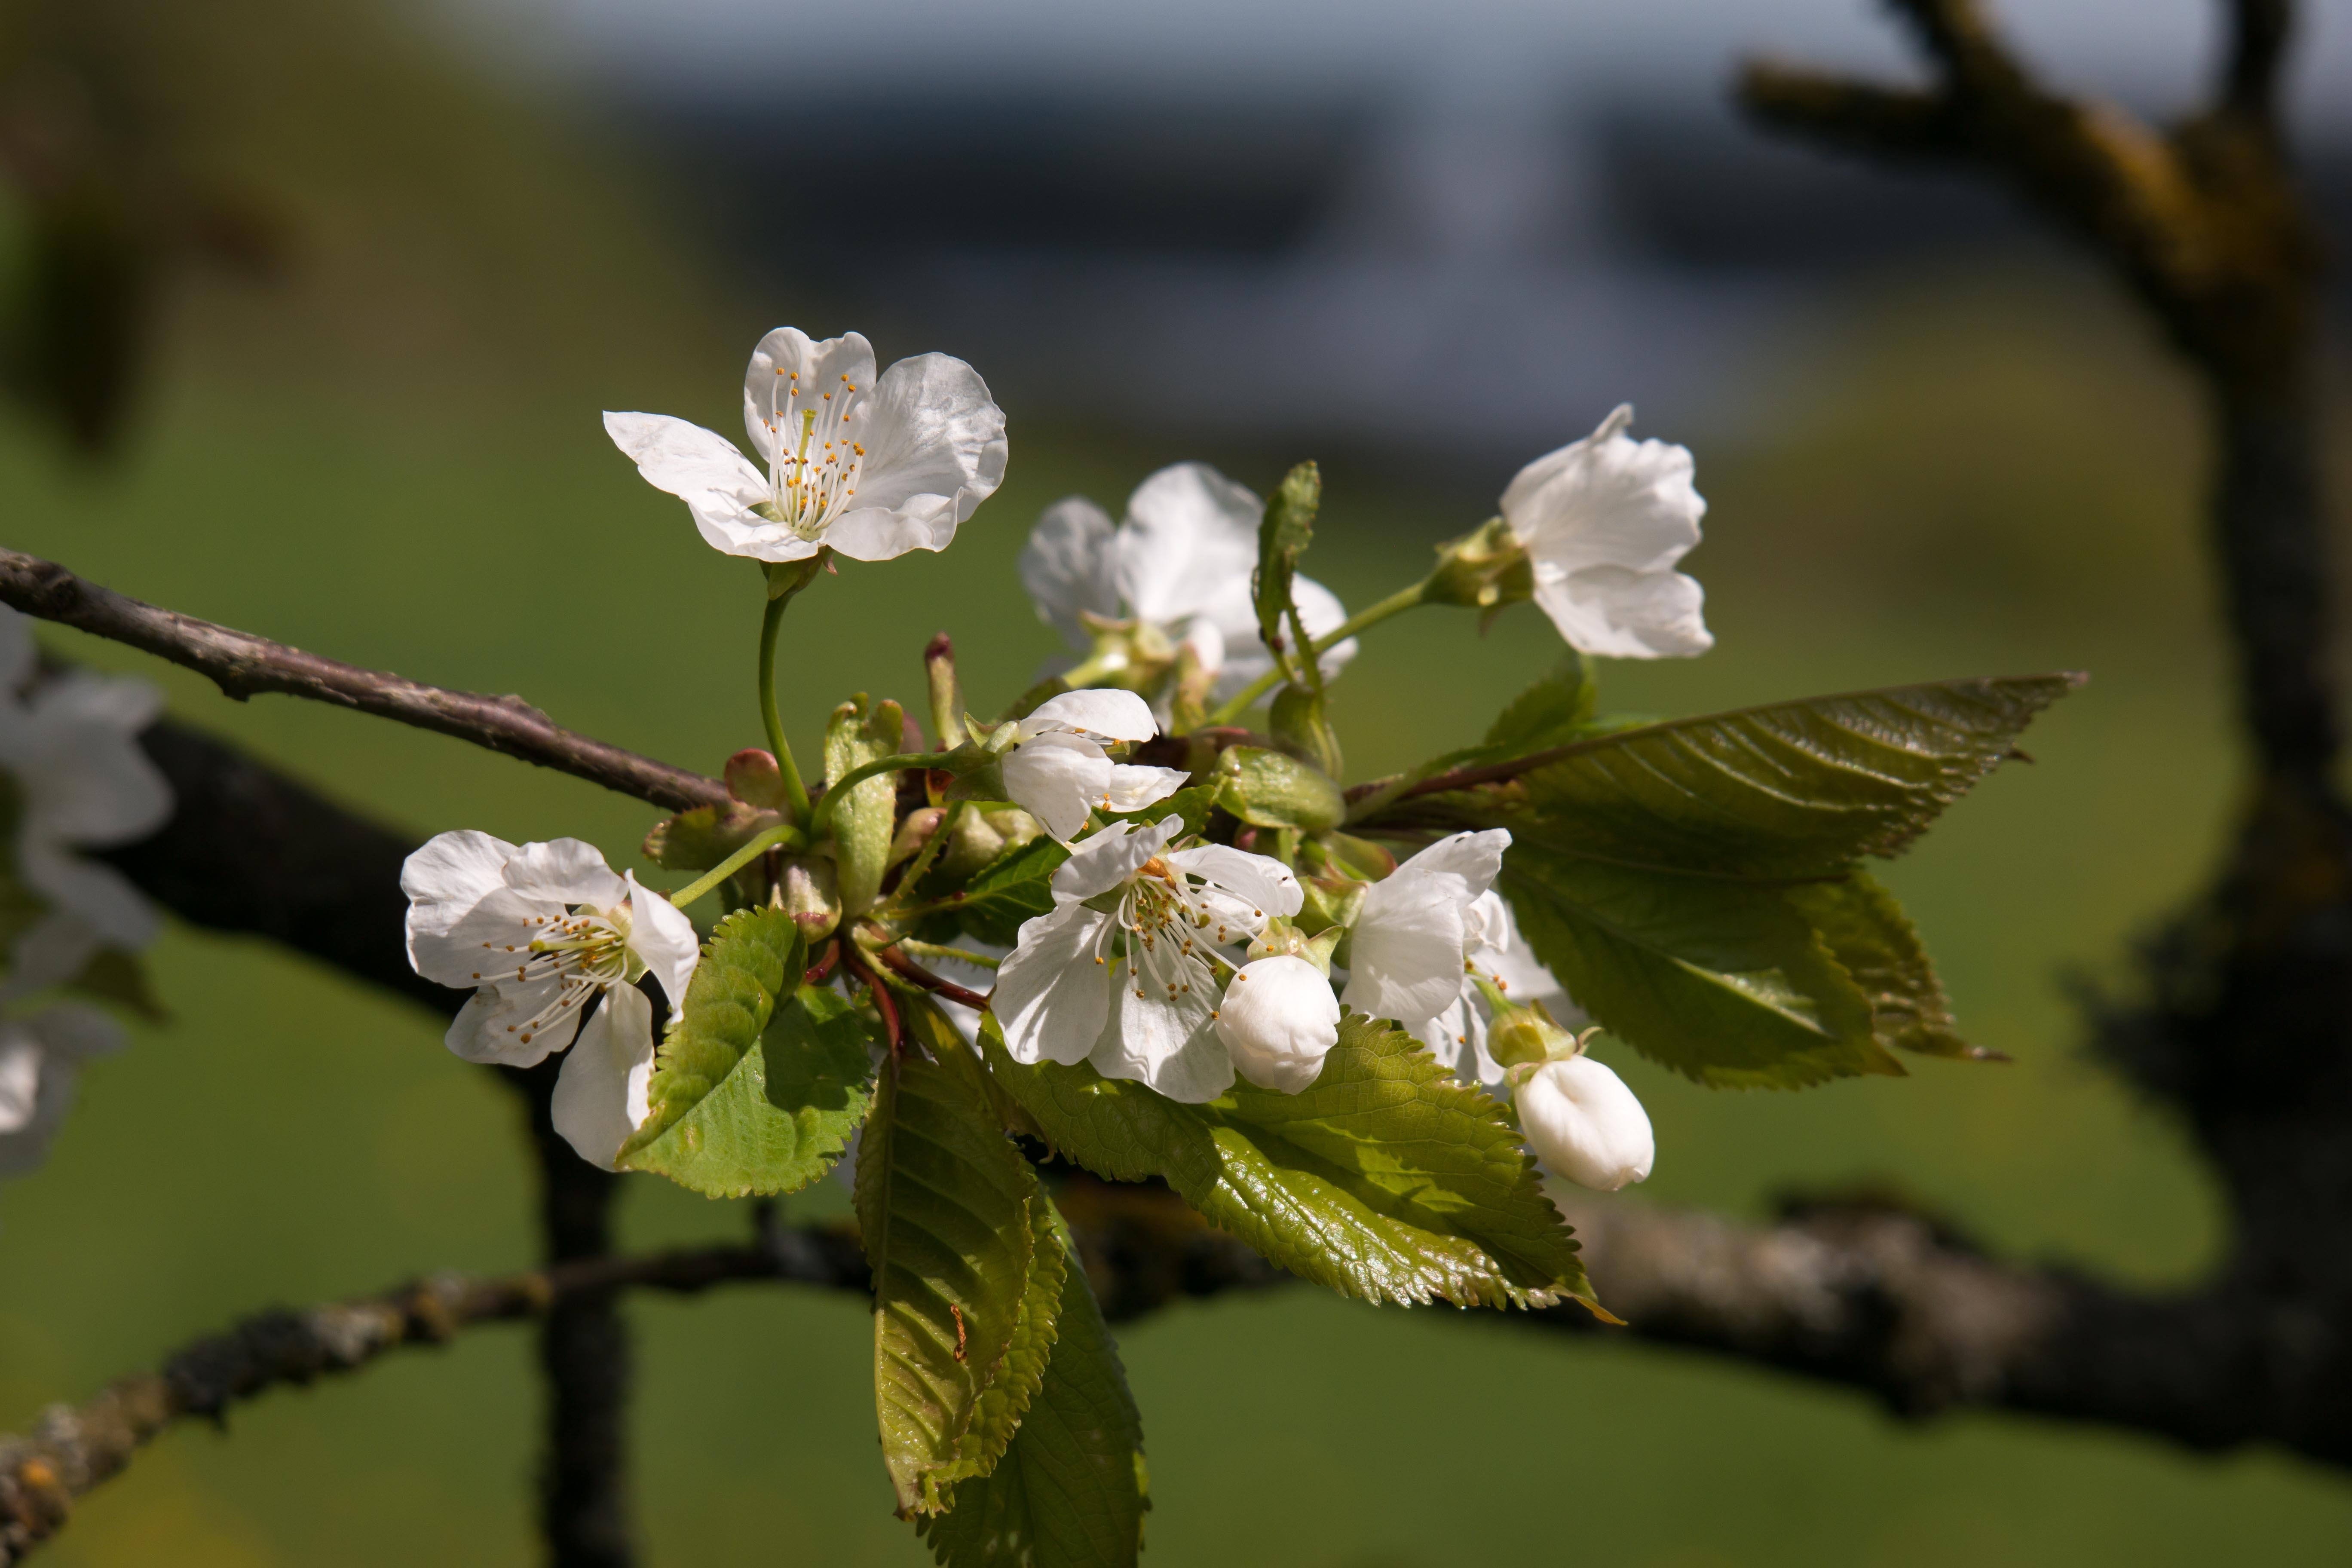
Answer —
1190 541
1059 779
490 1026
1168 1043
1067 567
96 894
1475 857
600 1096
663 939
1111 856
1405 958
1604 520
1457 1039
685 459
1609 610
1107 711
483 944
1584 1124
1052 996
56 948
1279 1020
78 759
1267 883
1132 787
565 871
789 359
450 875
20 1080
76 1032
935 449
1207 640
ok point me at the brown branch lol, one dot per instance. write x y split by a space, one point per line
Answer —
939 985
241 665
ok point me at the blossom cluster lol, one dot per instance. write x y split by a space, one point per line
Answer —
1170 957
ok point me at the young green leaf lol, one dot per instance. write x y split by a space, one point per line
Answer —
1016 887
864 822
1008 1398
1552 713
1722 980
747 1096
1267 789
1389 1179
1873 940
1071 1489
945 1209
1282 537
1795 790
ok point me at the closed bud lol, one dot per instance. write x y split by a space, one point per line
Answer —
811 895
753 778
1279 1020
979 836
915 832
1584 1124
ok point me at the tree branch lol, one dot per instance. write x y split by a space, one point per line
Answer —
241 664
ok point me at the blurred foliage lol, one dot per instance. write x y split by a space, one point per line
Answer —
1974 474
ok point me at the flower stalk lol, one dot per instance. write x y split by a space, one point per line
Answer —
1396 603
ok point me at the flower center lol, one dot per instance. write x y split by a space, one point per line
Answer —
583 952
813 461
1170 940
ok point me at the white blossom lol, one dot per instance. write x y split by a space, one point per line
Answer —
1125 970
539 931
40 1060
1584 1123
1059 772
1410 946
1181 563
1457 1037
1603 522
870 467
69 748
1279 1020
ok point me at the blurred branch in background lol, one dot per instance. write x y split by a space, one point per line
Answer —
104 212
2246 1031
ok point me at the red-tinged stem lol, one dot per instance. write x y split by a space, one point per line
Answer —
899 963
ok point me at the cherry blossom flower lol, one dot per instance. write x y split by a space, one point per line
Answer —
1409 949
1584 1123
1180 566
869 467
1125 970
1457 1035
1603 522
1059 772
1278 1021
69 748
41 1057
539 931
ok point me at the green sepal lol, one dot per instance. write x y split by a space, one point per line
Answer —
1283 535
699 839
1267 789
863 823
749 1096
945 1210
1071 1489
1388 1179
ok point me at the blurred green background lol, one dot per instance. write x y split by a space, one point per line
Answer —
393 455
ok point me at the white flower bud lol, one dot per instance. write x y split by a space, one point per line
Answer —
1584 1124
1278 1020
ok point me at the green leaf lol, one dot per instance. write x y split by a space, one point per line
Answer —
1871 937
1016 886
1794 790
699 839
1267 789
1389 1179
865 820
1283 535
1720 979
1071 1489
1553 712
748 1097
945 1209
1010 1392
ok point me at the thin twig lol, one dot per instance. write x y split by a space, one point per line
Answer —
899 963
241 665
